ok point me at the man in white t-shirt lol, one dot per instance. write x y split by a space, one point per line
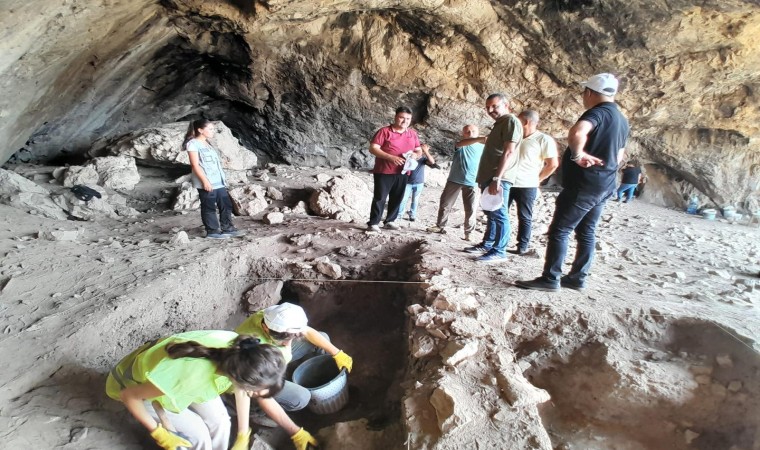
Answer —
536 160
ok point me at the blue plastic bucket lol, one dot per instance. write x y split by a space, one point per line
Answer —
327 384
709 214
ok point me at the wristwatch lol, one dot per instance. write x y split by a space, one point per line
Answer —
496 179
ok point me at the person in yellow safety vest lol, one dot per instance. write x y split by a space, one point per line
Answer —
172 387
286 327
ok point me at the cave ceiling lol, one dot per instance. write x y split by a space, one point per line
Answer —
307 82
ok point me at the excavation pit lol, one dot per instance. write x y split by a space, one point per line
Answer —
693 388
367 321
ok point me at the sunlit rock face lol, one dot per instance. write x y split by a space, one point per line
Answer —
308 82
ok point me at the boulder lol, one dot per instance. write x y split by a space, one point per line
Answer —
110 205
82 175
248 200
180 238
116 172
18 192
160 146
262 295
187 198
274 218
345 198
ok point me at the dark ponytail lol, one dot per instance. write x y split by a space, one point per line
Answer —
246 362
192 130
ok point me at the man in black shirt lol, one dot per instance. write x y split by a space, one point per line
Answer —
596 145
631 179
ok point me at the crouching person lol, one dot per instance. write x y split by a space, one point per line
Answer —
172 386
286 327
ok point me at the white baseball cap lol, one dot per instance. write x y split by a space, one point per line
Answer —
285 318
603 83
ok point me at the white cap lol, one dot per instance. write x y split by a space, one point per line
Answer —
603 83
285 318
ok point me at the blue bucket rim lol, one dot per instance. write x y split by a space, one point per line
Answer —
341 372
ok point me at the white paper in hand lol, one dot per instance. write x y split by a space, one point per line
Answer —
491 202
410 163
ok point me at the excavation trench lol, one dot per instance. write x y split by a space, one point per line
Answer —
681 384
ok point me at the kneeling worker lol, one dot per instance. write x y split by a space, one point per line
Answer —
286 327
172 387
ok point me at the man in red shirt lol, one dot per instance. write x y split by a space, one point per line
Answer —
389 145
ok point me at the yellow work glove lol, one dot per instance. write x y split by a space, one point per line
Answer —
343 360
242 442
302 439
168 440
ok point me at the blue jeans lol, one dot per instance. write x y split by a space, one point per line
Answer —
210 201
414 190
579 211
525 198
496 236
626 189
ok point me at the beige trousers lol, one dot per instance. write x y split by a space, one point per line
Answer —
449 196
205 425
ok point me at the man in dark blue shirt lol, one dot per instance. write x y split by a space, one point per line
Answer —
631 179
596 145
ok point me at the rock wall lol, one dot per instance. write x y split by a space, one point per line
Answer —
307 84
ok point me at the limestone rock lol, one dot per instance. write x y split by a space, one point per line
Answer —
358 434
109 205
80 175
59 235
274 218
300 208
116 172
345 198
263 295
187 198
248 200
180 238
448 401
18 192
456 352
161 146
422 344
274 193
325 267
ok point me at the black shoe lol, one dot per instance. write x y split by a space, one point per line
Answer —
518 252
538 284
566 282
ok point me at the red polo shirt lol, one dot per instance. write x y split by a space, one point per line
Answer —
395 144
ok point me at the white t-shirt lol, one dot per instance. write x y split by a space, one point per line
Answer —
531 154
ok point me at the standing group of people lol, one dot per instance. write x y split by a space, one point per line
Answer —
511 162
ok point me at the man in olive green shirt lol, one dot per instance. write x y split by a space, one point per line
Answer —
496 172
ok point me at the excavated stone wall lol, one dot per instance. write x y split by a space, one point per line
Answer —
307 83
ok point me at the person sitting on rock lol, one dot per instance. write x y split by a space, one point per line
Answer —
464 167
416 182
286 327
172 386
208 177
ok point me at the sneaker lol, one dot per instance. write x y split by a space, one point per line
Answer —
373 228
538 284
518 252
491 257
391 225
217 236
233 233
480 248
566 282
436 229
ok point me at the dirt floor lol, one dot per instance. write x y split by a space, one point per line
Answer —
660 352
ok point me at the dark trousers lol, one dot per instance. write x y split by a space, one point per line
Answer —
525 199
391 187
579 211
210 201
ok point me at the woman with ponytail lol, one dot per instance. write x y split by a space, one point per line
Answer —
172 387
208 177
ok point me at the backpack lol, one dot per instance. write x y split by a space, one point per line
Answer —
85 193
